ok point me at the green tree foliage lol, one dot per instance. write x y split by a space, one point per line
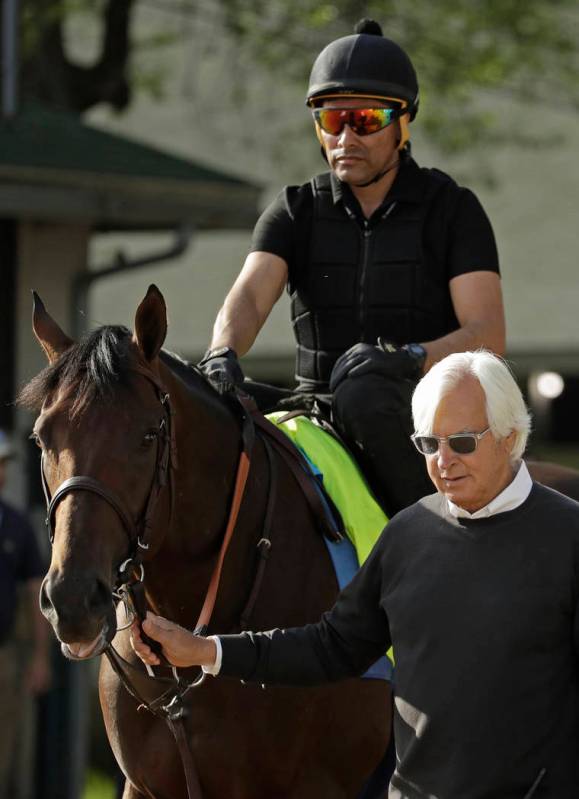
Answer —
47 73
468 53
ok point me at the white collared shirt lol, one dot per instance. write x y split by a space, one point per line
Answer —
510 498
216 667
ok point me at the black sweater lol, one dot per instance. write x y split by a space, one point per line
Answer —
483 618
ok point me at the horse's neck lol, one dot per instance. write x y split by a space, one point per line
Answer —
208 446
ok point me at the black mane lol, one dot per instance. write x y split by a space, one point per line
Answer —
91 369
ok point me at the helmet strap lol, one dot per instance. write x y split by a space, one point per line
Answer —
389 167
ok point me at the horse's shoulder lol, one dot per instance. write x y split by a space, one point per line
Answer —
563 479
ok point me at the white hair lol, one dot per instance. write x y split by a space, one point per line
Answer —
505 406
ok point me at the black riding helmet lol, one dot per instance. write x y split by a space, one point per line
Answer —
366 64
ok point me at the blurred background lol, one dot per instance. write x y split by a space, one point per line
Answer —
139 140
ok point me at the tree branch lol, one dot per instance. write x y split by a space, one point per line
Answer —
49 76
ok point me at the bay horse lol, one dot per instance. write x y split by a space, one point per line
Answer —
104 415
103 419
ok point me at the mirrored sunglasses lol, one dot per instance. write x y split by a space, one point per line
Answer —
461 443
363 121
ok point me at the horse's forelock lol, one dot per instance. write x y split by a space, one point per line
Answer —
90 369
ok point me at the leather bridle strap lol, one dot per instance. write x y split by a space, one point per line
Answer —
83 483
166 462
243 466
177 727
265 542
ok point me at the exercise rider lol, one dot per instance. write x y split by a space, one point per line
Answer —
390 266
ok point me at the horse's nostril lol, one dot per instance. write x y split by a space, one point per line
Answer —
99 598
74 605
46 605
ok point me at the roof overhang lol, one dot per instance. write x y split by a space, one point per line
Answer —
54 167
115 202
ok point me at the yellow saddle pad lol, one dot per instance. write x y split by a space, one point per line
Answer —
363 518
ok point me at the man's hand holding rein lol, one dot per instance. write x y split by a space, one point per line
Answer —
180 646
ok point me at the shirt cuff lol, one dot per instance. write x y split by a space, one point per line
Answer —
216 667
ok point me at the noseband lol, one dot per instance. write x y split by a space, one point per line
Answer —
138 532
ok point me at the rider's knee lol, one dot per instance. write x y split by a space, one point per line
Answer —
371 394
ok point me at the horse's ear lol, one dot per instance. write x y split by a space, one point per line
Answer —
151 324
51 338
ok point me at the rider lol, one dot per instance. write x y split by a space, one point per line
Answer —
390 266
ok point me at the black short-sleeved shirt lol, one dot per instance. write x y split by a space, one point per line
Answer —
457 234
20 562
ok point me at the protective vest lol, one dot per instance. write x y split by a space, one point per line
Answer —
361 283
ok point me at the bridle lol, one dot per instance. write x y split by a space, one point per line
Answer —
138 532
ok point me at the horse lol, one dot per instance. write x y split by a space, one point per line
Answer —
103 429
562 478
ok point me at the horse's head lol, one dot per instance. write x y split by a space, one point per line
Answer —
104 431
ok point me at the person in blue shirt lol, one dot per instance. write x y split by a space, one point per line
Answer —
21 573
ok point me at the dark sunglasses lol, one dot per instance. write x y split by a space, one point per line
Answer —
363 121
461 443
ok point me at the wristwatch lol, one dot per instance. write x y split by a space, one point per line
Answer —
418 352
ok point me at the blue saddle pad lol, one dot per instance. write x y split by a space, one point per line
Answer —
346 565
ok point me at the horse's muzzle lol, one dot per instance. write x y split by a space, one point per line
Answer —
81 612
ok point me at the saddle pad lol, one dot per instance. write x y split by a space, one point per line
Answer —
363 518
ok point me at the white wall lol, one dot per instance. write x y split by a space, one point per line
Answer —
49 256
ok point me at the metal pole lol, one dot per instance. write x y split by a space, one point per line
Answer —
10 16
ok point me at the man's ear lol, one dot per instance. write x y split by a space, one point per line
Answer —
151 324
509 441
48 334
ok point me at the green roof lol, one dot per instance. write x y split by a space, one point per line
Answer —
54 140
53 166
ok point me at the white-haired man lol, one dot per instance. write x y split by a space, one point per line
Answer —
477 588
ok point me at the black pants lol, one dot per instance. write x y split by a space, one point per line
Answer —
372 414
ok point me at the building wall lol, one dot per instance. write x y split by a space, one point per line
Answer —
49 257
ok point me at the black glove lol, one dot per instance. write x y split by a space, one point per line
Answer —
222 369
385 359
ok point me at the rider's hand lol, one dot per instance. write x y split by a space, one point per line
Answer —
181 647
222 369
385 359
